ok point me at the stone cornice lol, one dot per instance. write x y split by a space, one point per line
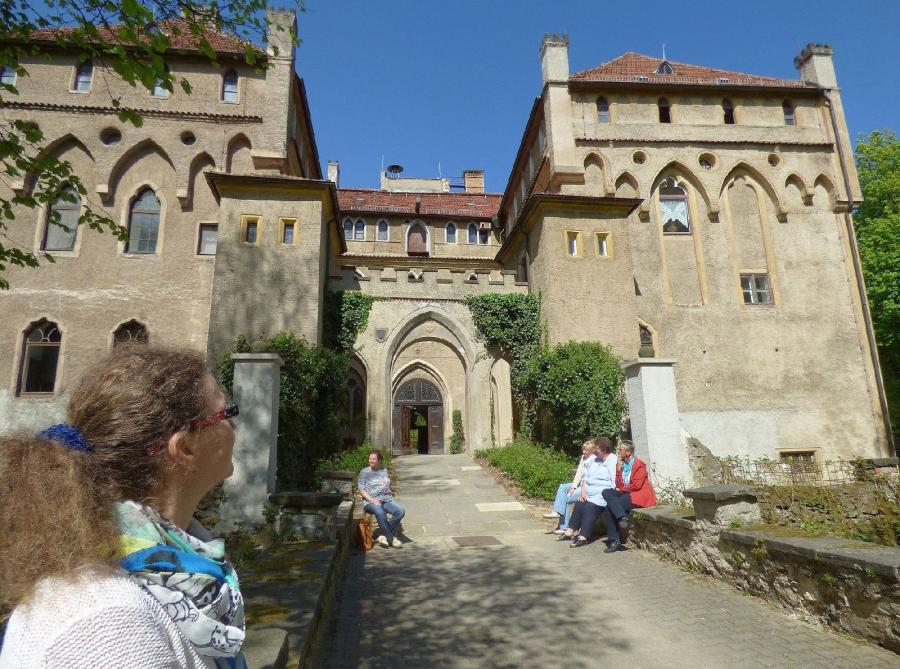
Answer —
149 113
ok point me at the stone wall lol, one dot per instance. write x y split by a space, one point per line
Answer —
851 586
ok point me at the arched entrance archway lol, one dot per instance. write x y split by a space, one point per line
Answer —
418 417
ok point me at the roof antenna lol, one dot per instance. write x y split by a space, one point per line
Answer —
440 176
664 50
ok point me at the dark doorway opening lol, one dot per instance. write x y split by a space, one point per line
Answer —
418 419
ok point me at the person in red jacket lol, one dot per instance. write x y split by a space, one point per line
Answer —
633 490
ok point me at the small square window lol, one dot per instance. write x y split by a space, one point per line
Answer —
573 243
206 243
288 229
604 245
250 229
755 288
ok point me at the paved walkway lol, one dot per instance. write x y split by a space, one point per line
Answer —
529 601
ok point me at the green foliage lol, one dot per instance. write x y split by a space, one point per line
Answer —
128 39
241 545
577 387
536 469
580 387
877 222
458 438
312 405
350 461
735 522
346 315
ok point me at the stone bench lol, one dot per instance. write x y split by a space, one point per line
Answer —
310 515
720 504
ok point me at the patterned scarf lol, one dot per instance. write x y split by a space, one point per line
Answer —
188 574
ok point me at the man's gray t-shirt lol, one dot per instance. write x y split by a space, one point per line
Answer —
376 483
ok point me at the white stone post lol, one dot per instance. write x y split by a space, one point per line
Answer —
257 383
653 409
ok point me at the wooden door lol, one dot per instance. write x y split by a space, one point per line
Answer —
436 429
404 430
417 242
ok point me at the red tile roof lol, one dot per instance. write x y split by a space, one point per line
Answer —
633 67
472 205
177 30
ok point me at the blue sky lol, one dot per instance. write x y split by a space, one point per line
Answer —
451 83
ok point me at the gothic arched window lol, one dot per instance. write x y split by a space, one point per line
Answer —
348 229
417 240
159 90
359 230
230 86
788 110
665 112
473 233
450 233
132 332
382 234
60 235
84 74
40 358
143 223
727 112
673 208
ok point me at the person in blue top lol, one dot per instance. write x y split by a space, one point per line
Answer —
600 475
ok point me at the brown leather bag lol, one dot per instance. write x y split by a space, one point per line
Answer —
363 534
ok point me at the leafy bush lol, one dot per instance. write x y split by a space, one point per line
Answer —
458 438
579 387
350 461
536 469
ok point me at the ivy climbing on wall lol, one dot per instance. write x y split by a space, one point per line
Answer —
346 315
565 393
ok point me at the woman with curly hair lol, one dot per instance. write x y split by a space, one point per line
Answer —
99 552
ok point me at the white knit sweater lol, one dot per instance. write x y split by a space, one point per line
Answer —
95 621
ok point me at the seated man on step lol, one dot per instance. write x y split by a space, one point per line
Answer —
374 486
633 491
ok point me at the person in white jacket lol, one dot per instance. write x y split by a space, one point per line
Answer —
568 493
599 476
100 554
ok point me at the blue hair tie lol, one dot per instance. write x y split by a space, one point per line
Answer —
68 436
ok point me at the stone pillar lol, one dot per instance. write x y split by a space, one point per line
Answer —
653 408
257 383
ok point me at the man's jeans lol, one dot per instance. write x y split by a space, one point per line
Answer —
563 500
388 527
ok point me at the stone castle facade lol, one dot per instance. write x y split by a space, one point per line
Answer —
698 212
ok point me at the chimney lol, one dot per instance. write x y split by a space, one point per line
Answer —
334 173
814 64
555 58
474 181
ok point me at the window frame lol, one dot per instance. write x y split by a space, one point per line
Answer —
663 103
225 87
671 198
4 74
347 228
789 113
469 230
246 219
128 250
568 236
484 237
200 228
409 229
66 206
283 223
755 289
447 233
359 225
77 76
603 109
387 230
24 362
158 91
728 112
122 325
603 239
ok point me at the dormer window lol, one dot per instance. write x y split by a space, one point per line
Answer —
84 74
727 112
665 114
602 110
664 68
230 86
788 110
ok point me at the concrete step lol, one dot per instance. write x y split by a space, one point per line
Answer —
266 648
